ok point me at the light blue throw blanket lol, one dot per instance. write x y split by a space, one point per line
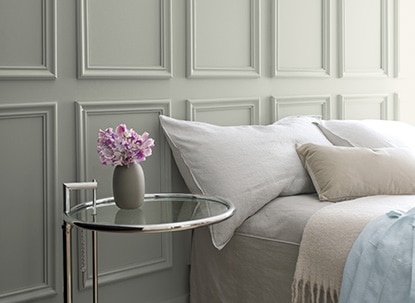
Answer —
379 267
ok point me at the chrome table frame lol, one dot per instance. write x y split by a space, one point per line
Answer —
93 226
67 239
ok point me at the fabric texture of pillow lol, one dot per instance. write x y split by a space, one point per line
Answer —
247 165
369 133
343 173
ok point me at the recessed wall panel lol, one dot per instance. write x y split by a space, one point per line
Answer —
118 29
365 44
225 112
301 50
300 105
227 47
27 39
27 200
358 107
125 39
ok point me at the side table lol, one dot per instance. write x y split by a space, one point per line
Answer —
159 213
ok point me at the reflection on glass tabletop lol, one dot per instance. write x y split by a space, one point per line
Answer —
160 212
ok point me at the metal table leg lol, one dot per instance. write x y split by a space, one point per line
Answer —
67 267
95 267
67 245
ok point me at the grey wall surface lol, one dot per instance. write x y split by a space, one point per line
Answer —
70 67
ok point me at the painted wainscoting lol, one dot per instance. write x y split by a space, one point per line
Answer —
71 67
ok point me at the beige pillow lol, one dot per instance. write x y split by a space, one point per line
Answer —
343 173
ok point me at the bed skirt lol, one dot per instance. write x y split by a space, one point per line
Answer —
248 269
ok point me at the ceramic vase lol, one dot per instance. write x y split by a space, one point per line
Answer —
128 186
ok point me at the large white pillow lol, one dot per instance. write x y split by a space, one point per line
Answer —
247 165
369 133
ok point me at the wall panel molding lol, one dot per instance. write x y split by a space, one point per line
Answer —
243 110
371 106
40 281
142 115
300 105
387 44
396 107
318 68
161 260
47 68
196 69
160 70
396 30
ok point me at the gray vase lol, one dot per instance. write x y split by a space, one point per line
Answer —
128 186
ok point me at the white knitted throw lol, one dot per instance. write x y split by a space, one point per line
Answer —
327 240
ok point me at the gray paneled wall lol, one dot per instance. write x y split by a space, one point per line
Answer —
70 67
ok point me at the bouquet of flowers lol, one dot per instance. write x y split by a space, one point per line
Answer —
123 146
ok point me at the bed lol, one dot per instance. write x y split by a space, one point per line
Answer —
305 190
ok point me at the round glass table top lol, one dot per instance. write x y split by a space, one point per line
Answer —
160 212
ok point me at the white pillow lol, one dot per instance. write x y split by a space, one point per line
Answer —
369 133
343 173
247 165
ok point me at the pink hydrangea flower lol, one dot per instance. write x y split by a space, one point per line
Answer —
123 146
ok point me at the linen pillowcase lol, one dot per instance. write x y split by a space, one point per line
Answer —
343 173
369 133
247 165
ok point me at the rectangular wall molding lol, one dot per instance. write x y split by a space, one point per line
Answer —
244 111
43 67
371 106
366 45
223 48
301 51
300 105
161 259
396 34
141 115
29 277
138 49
